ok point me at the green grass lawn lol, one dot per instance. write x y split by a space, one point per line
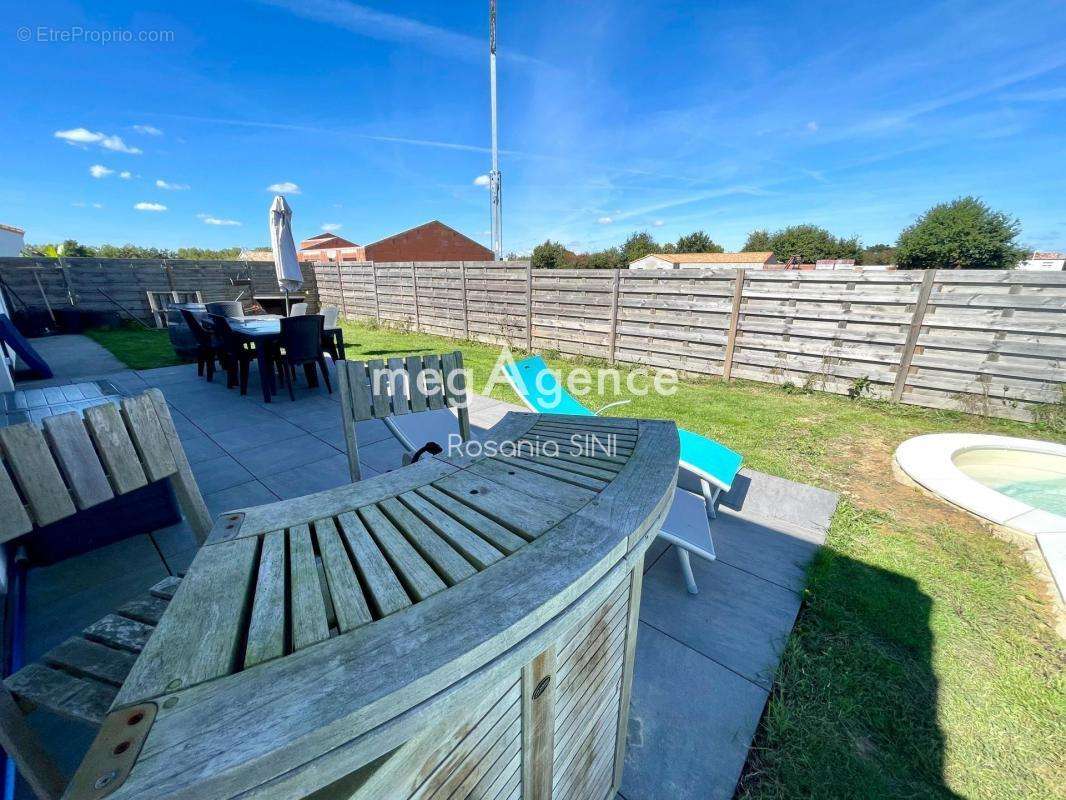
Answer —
137 347
924 662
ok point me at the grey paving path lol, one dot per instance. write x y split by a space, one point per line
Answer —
704 664
72 357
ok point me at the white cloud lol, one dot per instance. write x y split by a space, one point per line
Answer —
174 187
98 205
82 137
142 206
100 171
331 226
604 221
812 126
481 180
285 187
658 223
210 220
125 174
148 130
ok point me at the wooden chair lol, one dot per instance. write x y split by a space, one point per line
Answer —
380 390
47 475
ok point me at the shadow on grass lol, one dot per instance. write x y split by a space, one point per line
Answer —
853 712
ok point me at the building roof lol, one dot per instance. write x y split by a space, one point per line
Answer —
325 241
760 257
11 229
433 223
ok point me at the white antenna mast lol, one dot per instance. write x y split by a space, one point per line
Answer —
494 176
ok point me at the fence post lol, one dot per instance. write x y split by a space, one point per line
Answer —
734 323
340 289
414 284
466 317
374 278
170 278
915 329
529 306
614 316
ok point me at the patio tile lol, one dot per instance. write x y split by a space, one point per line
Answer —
219 473
309 478
690 723
738 619
278 456
180 561
654 552
234 416
312 414
771 549
116 560
200 448
244 495
767 496
383 456
257 433
174 538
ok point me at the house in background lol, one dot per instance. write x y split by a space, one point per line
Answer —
758 260
328 247
433 241
1044 262
11 240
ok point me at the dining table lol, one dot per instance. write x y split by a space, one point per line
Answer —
264 331
464 626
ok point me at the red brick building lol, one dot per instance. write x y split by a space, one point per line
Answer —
329 247
433 241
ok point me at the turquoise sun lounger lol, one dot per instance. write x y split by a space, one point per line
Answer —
711 466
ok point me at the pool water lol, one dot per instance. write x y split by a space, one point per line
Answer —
1046 495
1036 479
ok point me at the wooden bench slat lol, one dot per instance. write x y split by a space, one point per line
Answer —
348 602
435 550
434 381
401 403
166 587
36 472
515 509
359 390
115 447
386 591
200 635
476 549
148 609
485 527
91 660
558 472
418 577
120 632
14 521
379 388
266 632
309 623
414 383
62 693
74 451
152 446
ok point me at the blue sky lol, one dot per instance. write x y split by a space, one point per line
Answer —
615 116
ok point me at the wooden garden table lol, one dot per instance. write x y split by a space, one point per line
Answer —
464 626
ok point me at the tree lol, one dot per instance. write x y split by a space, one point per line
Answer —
879 254
72 249
639 245
698 242
611 258
758 242
962 234
551 255
811 243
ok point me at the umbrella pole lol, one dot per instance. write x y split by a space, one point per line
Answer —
286 291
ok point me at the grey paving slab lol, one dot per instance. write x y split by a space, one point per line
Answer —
220 473
252 493
200 447
690 723
99 566
257 433
72 357
738 619
383 456
768 496
174 538
279 456
772 549
309 478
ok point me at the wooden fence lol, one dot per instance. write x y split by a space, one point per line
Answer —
988 342
88 283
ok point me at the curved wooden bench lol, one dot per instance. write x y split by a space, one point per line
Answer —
460 627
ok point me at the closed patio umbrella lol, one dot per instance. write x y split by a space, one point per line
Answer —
281 243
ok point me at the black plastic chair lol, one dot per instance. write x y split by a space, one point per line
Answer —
206 348
301 339
226 308
239 353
